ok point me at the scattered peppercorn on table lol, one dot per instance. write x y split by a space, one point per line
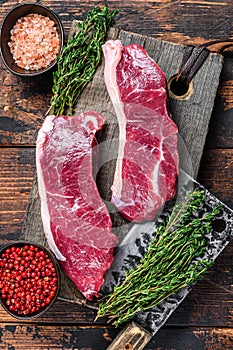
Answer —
204 320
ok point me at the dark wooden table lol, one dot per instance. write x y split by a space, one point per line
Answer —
204 320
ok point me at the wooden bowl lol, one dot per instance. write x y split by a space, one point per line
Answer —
9 21
23 281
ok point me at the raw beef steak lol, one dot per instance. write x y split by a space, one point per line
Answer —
147 163
76 221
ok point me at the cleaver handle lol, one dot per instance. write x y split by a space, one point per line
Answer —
132 337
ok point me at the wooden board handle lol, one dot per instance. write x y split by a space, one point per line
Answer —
132 337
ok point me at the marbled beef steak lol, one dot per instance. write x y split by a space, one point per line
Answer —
147 163
76 221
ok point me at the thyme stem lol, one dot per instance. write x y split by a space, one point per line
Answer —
79 59
174 260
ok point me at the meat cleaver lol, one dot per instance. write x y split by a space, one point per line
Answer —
145 324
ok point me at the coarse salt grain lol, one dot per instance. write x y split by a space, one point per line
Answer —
34 42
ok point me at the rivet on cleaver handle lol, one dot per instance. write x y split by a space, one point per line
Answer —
133 247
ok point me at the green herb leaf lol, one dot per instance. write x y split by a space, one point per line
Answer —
79 59
174 260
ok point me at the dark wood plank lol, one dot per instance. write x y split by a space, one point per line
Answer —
216 173
23 104
221 125
39 337
174 21
17 171
192 339
62 313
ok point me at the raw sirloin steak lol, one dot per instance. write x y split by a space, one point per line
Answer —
76 221
147 163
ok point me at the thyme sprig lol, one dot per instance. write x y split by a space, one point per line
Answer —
79 59
174 260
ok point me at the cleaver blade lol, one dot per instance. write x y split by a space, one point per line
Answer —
133 247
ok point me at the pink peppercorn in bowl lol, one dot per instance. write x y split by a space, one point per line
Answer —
32 37
29 279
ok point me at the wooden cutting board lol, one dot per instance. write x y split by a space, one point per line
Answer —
191 113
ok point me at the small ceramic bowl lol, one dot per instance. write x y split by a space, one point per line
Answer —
9 21
29 279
